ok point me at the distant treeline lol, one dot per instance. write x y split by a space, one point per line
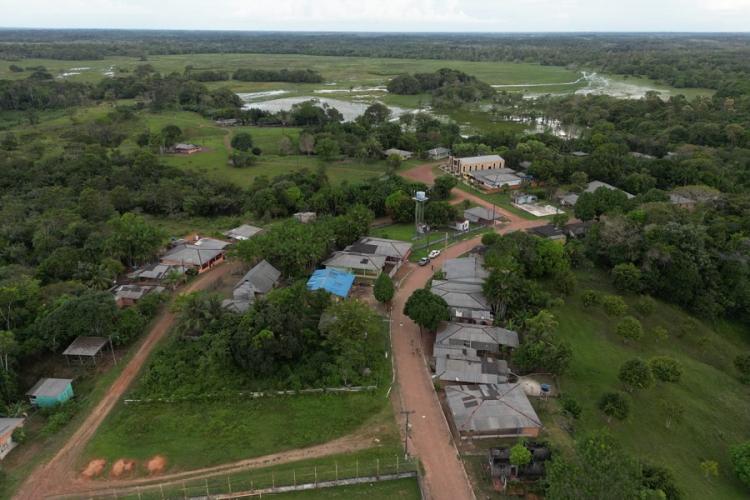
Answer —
717 61
257 75
282 75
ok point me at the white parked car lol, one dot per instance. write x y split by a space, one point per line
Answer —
434 253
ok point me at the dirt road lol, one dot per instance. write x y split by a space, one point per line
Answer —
347 444
60 472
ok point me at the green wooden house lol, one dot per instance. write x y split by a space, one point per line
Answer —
50 392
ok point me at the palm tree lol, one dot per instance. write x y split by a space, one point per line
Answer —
197 312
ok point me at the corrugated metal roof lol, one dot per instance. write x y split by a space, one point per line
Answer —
491 408
85 346
49 387
354 260
475 335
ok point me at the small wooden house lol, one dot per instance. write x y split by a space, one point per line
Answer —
7 426
50 392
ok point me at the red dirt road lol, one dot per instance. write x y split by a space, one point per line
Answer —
59 474
430 437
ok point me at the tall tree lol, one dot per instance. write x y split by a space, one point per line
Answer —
426 309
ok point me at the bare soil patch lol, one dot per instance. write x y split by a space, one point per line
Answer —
94 468
122 467
156 465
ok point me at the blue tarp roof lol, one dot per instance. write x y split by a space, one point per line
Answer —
332 280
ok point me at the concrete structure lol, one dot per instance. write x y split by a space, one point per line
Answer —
482 215
243 232
466 269
227 122
495 180
305 217
404 155
492 411
333 281
85 347
462 166
258 281
681 201
7 426
466 302
50 392
199 255
438 153
129 295
524 199
461 225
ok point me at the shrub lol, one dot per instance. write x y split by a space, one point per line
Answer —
19 435
645 306
630 328
660 333
614 404
627 278
58 417
590 298
571 406
383 289
742 363
613 305
665 369
740 456
657 478
635 374
520 455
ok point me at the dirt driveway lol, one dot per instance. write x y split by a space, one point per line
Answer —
60 472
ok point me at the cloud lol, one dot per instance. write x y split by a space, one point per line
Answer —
383 15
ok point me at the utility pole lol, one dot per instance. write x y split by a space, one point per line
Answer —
406 432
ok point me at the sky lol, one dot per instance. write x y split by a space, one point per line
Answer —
383 15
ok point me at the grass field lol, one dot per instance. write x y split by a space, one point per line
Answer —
717 405
499 199
406 489
204 433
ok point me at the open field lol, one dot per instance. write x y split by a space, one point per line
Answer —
204 433
402 489
348 72
716 404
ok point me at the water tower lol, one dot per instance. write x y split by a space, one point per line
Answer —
421 199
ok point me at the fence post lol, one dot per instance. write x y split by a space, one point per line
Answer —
208 493
377 474
273 480
356 468
396 464
138 489
184 490
336 464
315 470
294 476
229 483
161 489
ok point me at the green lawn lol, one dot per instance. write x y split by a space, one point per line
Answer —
499 199
716 404
198 434
402 489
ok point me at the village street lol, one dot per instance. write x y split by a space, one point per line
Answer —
430 437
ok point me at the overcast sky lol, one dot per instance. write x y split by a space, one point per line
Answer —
383 15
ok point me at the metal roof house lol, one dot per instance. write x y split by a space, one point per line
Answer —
482 215
7 426
85 347
128 295
200 255
50 392
461 366
548 231
483 339
492 411
395 252
331 280
154 273
594 185
495 180
243 232
259 280
362 266
438 153
404 155
466 301
466 269
186 149
473 164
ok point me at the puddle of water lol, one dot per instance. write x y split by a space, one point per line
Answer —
351 91
349 110
251 96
